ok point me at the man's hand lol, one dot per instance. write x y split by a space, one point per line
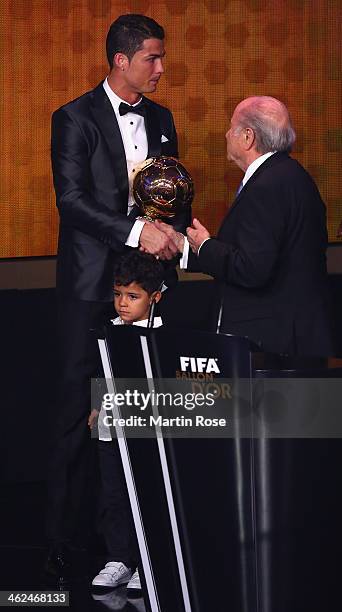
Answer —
176 237
157 243
93 418
196 235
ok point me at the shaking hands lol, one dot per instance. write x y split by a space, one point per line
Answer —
164 242
157 242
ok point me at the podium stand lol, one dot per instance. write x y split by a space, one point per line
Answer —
204 508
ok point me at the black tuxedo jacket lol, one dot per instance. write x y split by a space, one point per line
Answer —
269 259
91 184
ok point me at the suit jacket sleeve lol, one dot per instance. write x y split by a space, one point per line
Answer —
249 256
73 179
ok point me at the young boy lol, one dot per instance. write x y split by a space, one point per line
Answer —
137 281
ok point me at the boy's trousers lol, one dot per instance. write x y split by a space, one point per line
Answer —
116 522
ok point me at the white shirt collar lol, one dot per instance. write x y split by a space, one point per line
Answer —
157 322
115 100
255 165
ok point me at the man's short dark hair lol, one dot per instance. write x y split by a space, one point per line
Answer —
127 34
140 268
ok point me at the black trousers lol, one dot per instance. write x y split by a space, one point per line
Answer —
116 521
70 453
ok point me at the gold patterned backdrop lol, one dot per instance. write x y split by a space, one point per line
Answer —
218 52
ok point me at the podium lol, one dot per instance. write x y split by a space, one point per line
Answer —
214 514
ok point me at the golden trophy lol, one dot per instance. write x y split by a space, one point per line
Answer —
162 188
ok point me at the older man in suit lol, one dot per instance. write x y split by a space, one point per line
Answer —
269 256
98 142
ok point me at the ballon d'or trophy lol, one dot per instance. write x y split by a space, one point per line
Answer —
162 188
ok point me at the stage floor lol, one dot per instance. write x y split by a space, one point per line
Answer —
23 553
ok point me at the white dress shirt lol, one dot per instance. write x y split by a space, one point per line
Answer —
134 138
255 165
249 172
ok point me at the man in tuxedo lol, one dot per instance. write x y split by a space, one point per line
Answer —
269 256
98 141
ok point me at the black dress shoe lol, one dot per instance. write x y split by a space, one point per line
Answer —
58 566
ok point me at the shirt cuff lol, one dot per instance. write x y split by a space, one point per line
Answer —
183 262
200 246
134 235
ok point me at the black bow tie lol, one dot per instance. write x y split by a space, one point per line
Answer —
139 109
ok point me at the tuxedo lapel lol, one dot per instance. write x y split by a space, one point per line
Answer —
152 130
269 162
104 116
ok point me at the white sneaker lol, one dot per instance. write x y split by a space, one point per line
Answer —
112 575
134 582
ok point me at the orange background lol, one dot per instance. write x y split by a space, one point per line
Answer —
218 52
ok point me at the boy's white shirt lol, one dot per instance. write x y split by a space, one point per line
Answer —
104 430
157 322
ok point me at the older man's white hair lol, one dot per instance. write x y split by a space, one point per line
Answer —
270 121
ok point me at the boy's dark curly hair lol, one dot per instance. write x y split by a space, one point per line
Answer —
140 268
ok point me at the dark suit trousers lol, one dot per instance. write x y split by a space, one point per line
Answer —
70 453
116 521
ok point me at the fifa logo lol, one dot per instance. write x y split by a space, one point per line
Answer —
206 365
